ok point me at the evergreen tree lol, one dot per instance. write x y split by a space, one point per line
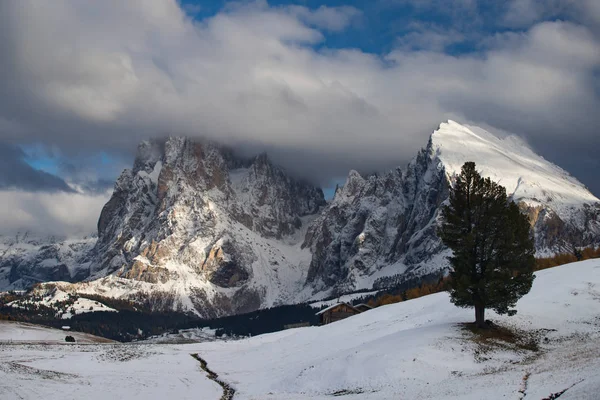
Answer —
493 248
577 253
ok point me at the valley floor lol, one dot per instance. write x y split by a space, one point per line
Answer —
418 349
121 371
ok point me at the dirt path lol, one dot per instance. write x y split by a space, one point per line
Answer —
228 391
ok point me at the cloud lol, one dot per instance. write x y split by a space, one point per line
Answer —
15 173
105 75
44 204
62 214
334 19
429 37
523 13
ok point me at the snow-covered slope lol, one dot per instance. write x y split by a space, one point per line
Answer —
563 210
64 304
418 350
26 259
510 162
12 332
99 371
381 230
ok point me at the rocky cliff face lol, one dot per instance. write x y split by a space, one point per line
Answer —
193 219
194 227
378 227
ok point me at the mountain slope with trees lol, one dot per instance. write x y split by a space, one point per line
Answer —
193 227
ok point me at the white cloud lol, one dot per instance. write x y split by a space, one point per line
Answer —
523 12
107 74
62 214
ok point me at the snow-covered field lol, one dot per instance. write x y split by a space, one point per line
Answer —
412 350
20 333
102 372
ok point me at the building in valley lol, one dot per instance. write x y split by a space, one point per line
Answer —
337 312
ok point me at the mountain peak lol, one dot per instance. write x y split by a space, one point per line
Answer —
452 130
219 234
511 162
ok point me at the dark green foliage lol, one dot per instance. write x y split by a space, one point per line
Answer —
128 325
577 253
493 247
263 321
70 339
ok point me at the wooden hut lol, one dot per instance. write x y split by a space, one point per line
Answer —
336 312
362 307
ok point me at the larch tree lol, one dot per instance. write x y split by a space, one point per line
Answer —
493 249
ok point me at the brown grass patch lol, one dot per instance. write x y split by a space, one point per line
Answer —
503 337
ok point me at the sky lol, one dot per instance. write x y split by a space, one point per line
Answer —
322 86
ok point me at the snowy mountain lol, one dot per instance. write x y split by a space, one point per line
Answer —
381 226
199 228
26 259
193 226
562 210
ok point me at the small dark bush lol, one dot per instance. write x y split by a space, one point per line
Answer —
70 339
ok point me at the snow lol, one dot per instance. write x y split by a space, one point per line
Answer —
415 349
510 162
39 255
19 332
153 175
69 303
102 372
83 305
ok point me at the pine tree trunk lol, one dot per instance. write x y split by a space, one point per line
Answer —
480 316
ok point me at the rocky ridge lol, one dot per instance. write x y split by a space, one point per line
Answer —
192 219
27 259
380 226
192 226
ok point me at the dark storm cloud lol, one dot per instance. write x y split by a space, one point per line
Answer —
85 175
90 76
44 204
15 173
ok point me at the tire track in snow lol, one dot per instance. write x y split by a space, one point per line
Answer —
228 391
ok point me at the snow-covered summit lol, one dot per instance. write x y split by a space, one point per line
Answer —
563 212
510 162
193 226
382 229
202 229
